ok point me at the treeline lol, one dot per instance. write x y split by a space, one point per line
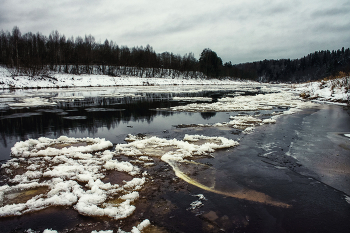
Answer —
35 54
314 66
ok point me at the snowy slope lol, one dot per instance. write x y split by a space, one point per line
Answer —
336 90
84 80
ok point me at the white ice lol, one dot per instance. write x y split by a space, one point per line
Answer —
72 176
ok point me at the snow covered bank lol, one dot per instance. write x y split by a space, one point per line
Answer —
60 80
334 90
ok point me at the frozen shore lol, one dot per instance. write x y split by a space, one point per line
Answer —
336 90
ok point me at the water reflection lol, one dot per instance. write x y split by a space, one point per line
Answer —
87 116
203 176
208 115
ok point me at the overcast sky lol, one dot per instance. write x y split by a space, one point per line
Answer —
237 30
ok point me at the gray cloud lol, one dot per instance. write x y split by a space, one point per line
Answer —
240 30
331 12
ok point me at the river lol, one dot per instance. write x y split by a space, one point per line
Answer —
289 173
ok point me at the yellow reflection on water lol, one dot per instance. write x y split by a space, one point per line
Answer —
245 194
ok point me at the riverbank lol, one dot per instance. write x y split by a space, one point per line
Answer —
62 80
334 91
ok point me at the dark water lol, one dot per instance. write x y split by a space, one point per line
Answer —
281 161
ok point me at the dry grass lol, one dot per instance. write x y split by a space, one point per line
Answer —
339 80
339 75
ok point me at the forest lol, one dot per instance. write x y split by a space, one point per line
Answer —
37 55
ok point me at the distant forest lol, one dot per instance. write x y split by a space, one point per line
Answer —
36 55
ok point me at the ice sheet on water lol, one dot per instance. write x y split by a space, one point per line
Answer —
248 103
75 117
192 99
174 149
32 102
49 231
246 123
103 110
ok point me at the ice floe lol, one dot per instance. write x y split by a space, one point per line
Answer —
32 102
245 123
198 203
192 99
67 172
173 149
139 228
248 103
347 198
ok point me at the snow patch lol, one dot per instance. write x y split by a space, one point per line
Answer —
347 198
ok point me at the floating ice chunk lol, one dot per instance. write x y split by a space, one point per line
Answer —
131 196
145 158
121 166
148 164
200 197
51 147
49 231
193 99
243 122
292 111
347 198
248 130
269 121
32 102
65 166
248 103
169 150
131 138
139 228
196 204
145 223
135 183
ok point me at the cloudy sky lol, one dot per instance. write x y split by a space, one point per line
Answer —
237 30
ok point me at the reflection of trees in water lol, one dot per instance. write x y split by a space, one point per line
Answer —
207 115
51 121
42 122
